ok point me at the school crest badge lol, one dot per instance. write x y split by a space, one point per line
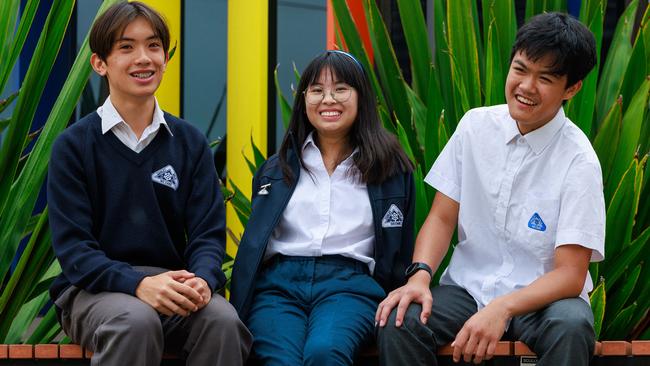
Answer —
393 217
166 176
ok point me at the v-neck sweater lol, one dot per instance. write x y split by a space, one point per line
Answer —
111 208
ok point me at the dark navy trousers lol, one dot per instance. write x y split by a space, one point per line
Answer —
312 311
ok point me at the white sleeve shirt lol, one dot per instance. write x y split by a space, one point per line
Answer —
112 121
520 197
326 215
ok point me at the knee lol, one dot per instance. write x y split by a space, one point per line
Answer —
576 330
323 350
411 326
221 317
137 322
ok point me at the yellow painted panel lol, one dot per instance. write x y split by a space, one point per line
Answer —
169 92
247 94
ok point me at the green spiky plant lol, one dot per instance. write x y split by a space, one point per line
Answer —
468 68
24 289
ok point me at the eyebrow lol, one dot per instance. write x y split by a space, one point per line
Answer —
545 71
152 37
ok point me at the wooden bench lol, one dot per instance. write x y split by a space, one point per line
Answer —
635 353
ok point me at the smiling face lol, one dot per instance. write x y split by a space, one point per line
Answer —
534 93
136 63
329 117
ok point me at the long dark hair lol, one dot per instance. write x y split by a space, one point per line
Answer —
380 155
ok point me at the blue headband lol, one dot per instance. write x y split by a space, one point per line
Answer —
350 56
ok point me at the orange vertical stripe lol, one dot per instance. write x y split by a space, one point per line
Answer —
359 17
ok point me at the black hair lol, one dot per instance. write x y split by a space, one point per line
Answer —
111 24
380 155
566 39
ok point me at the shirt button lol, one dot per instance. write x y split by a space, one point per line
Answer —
522 140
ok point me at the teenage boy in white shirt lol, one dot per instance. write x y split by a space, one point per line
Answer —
525 187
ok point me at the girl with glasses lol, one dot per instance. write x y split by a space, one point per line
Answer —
331 228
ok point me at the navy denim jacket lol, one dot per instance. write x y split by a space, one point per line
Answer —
393 244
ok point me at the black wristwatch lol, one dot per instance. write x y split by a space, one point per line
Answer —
416 266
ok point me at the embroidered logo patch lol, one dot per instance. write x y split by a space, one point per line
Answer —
536 223
393 217
166 176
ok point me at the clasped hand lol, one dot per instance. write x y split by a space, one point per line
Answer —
174 292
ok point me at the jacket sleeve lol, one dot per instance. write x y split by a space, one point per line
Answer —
206 223
82 260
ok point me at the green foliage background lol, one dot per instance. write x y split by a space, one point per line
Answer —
468 68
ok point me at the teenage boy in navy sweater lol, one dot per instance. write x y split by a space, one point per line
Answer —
137 217
525 187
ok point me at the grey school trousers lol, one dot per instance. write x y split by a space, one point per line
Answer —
121 330
561 334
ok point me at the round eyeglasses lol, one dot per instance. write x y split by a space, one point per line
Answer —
340 94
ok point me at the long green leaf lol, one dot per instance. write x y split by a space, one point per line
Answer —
632 119
620 213
463 48
21 324
29 12
44 56
617 266
598 302
638 65
580 108
618 298
442 61
8 15
285 107
606 141
26 187
415 32
500 27
616 62
354 44
620 326
388 68
47 329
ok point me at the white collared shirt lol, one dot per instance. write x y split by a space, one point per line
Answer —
112 121
520 198
326 214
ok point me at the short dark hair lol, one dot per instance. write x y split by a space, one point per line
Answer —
571 44
110 25
380 155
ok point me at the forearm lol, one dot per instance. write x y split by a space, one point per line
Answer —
558 284
434 237
564 281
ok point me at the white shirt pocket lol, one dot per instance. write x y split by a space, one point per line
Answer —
537 226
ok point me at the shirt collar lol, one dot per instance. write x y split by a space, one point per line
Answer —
539 138
310 143
111 117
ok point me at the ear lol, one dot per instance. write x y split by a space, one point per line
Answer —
98 64
571 91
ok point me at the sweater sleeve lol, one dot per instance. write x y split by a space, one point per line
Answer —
82 260
205 223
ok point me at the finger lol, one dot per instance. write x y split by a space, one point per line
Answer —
459 344
188 292
181 299
181 274
470 348
170 308
492 346
388 306
403 305
426 309
479 354
164 310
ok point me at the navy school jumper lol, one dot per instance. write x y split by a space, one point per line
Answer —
111 208
393 250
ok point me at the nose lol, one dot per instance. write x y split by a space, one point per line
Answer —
142 57
328 97
527 83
